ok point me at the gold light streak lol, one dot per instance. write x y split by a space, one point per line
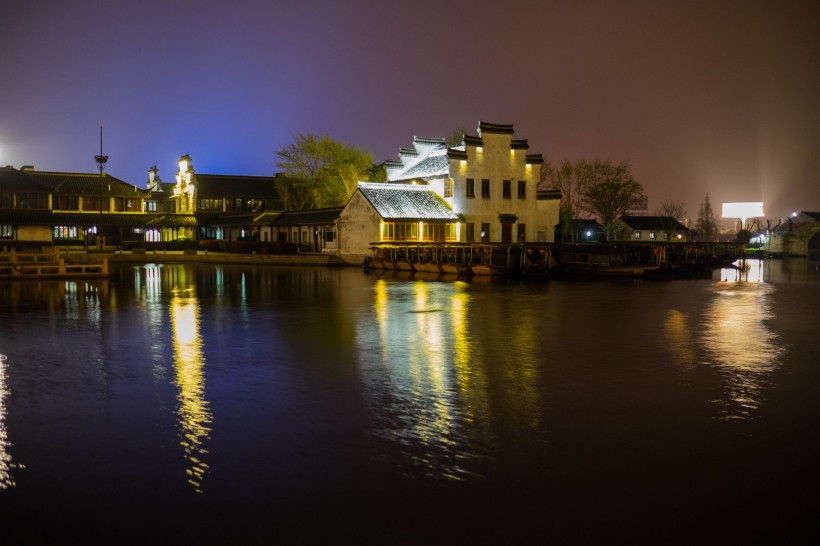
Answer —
740 342
679 339
193 413
6 464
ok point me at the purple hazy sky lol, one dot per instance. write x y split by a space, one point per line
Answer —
718 97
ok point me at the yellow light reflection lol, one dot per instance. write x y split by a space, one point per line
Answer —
6 465
740 342
194 415
679 339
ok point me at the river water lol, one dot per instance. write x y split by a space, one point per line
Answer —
243 405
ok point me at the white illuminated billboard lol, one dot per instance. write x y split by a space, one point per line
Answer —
743 210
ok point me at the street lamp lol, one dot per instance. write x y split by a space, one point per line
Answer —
101 160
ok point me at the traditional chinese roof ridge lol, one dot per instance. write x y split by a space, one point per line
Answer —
659 223
408 152
393 164
470 140
402 202
428 142
455 153
535 159
220 185
496 128
519 144
815 215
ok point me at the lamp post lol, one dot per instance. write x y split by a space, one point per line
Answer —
101 160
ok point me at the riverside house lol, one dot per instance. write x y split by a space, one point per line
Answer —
483 190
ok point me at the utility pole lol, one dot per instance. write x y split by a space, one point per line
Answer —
101 160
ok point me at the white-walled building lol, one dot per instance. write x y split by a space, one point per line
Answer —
489 182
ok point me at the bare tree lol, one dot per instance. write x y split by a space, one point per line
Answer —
456 137
609 190
672 209
568 179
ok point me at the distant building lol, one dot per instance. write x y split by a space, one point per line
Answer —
651 229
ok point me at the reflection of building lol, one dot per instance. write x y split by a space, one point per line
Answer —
489 183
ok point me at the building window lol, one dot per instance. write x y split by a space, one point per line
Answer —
637 234
64 232
470 187
506 233
330 236
96 204
123 204
66 202
485 233
150 206
652 235
400 231
448 187
469 232
485 188
6 231
449 232
507 189
522 189
522 232
209 204
32 200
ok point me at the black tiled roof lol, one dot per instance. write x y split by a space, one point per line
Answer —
401 202
659 223
429 166
172 220
219 185
26 217
309 217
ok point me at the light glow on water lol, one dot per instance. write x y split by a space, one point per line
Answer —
6 479
738 337
193 412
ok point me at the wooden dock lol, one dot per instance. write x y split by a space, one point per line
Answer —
51 265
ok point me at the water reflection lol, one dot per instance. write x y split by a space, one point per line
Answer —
678 337
422 388
738 338
194 415
6 479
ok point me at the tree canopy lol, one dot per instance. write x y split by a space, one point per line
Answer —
319 172
600 188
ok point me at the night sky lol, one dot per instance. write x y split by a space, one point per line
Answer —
715 96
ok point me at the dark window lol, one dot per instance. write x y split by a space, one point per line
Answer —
506 233
507 189
485 233
522 189
522 232
448 187
470 187
485 188
66 202
470 232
